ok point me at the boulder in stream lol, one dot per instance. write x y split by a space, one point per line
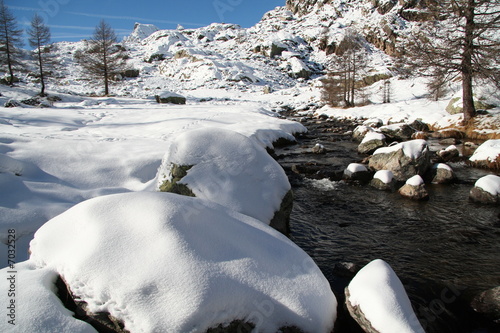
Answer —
414 189
486 190
383 180
357 172
371 142
404 159
441 173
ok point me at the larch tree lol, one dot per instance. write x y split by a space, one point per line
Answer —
10 41
39 38
461 39
102 57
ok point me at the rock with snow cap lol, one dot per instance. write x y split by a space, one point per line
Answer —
486 190
414 188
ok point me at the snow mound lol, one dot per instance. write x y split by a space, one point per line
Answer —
488 151
413 149
490 184
141 31
37 308
379 294
385 176
415 181
161 262
373 136
229 169
355 167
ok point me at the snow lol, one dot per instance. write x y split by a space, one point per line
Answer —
412 149
415 181
52 159
373 136
488 151
229 169
37 308
490 184
165 262
381 296
355 167
442 166
385 176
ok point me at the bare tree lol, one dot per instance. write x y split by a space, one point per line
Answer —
10 41
347 66
39 37
102 57
460 39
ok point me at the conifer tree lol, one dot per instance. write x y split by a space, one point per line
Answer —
10 41
102 57
39 37
460 39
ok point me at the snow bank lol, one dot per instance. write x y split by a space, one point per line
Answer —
379 294
373 136
490 184
229 169
37 308
169 263
413 149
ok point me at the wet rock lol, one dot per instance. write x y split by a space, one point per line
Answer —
403 159
319 149
371 142
281 218
488 303
345 269
441 173
357 172
397 132
383 180
449 154
486 190
414 189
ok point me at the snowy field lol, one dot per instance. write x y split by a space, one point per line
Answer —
53 158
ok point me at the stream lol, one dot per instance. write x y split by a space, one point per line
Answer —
445 250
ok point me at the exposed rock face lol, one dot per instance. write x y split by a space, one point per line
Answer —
357 172
173 185
441 174
479 195
169 97
371 142
449 154
383 180
488 302
404 159
397 132
414 192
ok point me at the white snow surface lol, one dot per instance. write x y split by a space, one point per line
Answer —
488 151
381 296
490 184
442 166
37 308
170 263
355 167
415 181
373 136
412 149
54 158
229 169
386 176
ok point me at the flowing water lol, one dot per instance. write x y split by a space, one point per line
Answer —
445 250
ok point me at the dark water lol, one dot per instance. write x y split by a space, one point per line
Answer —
445 250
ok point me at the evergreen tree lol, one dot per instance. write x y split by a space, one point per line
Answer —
39 37
102 57
10 41
460 39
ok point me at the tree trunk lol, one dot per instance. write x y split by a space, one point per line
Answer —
40 65
467 93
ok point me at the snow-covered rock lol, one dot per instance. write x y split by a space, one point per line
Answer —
169 97
487 155
371 142
170 263
414 188
441 173
360 131
230 169
486 190
141 31
397 132
319 149
404 159
357 172
383 180
377 300
449 153
37 307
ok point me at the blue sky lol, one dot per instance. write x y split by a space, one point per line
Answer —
73 20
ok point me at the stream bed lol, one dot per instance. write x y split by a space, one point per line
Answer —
445 250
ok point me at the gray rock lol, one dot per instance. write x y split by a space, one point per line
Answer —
479 195
402 165
319 149
441 173
397 132
449 153
488 303
371 143
171 98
